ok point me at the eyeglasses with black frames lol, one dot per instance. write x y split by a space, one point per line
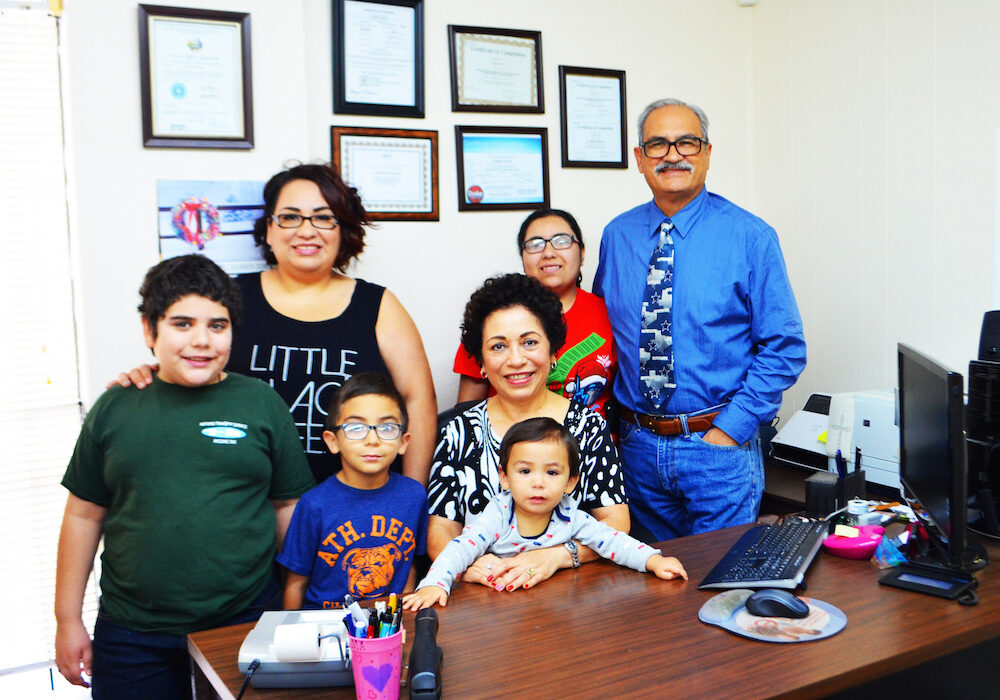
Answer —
323 221
659 148
359 431
560 241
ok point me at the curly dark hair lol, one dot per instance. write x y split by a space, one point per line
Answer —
562 214
176 278
541 429
504 292
343 200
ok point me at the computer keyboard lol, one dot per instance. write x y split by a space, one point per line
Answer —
769 556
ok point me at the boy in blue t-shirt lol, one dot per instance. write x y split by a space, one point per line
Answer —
359 531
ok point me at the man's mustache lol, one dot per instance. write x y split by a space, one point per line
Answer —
682 165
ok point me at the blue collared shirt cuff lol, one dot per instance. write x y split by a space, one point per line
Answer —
737 423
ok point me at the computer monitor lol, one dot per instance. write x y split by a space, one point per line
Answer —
932 462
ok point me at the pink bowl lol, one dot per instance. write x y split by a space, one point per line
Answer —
860 547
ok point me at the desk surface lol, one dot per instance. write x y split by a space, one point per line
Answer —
604 631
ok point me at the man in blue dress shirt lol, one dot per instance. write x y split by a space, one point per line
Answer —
707 331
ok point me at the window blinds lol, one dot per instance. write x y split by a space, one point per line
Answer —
39 386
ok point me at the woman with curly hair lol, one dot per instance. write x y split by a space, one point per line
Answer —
512 326
551 247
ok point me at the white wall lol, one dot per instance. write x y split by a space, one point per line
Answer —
695 50
874 157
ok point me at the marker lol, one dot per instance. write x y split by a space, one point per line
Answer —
372 625
357 612
393 603
397 619
349 624
841 466
361 630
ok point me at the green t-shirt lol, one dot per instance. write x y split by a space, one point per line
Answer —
186 474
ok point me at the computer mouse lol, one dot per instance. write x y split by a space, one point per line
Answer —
774 602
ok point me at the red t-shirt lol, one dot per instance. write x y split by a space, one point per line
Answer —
586 364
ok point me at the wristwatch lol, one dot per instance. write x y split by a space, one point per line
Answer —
574 552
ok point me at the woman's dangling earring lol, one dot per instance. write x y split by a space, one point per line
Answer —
482 373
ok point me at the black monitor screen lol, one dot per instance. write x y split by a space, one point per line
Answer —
932 442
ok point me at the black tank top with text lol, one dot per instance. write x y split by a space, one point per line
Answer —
307 361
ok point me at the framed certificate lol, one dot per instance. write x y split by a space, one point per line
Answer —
592 117
502 168
378 57
394 170
195 78
495 70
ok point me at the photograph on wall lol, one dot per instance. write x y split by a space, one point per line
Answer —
211 217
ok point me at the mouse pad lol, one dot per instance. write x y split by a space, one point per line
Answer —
727 610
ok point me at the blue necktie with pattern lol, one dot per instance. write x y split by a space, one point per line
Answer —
656 346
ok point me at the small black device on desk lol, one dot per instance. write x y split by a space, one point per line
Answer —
932 579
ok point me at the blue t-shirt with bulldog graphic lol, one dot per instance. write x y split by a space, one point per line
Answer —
356 541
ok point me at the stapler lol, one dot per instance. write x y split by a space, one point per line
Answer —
425 657
327 664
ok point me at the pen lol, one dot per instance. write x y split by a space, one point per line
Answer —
841 466
348 623
393 603
857 458
397 618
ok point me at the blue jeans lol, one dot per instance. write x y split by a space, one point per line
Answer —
133 665
681 485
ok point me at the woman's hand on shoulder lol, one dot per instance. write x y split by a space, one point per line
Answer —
483 570
141 377
530 568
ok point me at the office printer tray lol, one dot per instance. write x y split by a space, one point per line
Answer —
333 669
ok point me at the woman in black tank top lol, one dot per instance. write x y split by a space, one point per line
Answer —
308 327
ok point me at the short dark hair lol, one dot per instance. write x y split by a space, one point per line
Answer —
176 278
343 200
540 430
562 214
507 291
363 384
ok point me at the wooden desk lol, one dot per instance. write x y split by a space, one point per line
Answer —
603 631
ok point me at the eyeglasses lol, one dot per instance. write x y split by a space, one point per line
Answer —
323 221
359 431
560 241
658 148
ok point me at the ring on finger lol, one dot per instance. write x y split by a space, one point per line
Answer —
530 572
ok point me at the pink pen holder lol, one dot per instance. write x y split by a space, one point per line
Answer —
376 665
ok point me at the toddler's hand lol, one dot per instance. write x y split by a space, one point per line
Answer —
426 597
666 567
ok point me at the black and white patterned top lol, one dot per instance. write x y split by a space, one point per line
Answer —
465 474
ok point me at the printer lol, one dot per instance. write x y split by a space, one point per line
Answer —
298 649
845 421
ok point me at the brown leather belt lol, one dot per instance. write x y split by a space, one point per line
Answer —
666 426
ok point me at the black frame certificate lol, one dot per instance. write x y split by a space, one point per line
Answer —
394 170
378 57
495 70
195 78
502 167
592 117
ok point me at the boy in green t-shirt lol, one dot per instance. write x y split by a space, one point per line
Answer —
191 482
